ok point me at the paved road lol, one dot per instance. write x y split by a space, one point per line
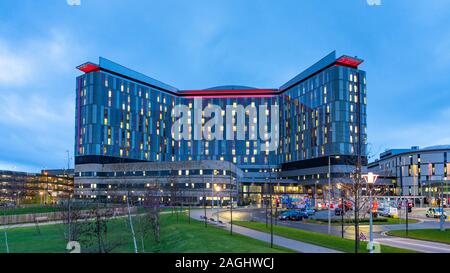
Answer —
418 245
349 231
262 236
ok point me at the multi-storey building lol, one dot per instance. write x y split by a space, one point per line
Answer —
313 125
422 173
48 187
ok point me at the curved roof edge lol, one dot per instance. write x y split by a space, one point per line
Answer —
230 87
415 149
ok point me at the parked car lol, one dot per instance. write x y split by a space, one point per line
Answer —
234 204
308 211
285 215
389 212
380 211
435 212
298 215
338 212
8 205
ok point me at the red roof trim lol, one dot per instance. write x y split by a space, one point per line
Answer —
227 96
349 61
231 92
88 67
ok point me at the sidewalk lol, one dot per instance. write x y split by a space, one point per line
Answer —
417 245
265 237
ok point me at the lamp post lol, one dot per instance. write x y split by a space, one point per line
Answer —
442 222
370 179
231 200
271 208
204 199
315 193
265 203
41 193
339 186
218 189
212 192
46 190
329 192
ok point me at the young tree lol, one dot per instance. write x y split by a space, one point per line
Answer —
148 220
96 237
74 216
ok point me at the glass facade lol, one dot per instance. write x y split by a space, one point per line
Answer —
125 115
319 116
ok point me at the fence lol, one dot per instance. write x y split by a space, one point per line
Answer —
52 216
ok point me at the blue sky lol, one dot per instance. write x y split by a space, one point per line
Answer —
203 43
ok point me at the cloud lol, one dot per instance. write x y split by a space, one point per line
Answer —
18 167
36 100
31 59
32 111
422 133
18 70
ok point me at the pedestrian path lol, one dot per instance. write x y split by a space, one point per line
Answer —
416 245
263 236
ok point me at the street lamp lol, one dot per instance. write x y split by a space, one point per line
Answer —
230 189
213 188
442 218
329 191
41 193
339 186
370 179
46 190
218 189
315 194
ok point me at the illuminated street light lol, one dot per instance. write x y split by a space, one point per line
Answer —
217 189
329 191
370 179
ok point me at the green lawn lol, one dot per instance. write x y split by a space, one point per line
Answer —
434 235
376 221
333 242
181 237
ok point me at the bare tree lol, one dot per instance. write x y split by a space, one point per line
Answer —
96 237
174 194
148 221
130 219
74 216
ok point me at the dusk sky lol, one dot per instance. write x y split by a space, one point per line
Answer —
199 44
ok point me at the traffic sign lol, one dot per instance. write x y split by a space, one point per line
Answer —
362 237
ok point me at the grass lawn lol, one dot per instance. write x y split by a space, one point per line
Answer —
376 221
434 235
333 242
181 237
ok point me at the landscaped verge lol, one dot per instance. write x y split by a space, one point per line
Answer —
324 240
433 235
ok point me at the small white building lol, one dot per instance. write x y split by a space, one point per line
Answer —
416 172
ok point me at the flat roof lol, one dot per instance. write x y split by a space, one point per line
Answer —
227 91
